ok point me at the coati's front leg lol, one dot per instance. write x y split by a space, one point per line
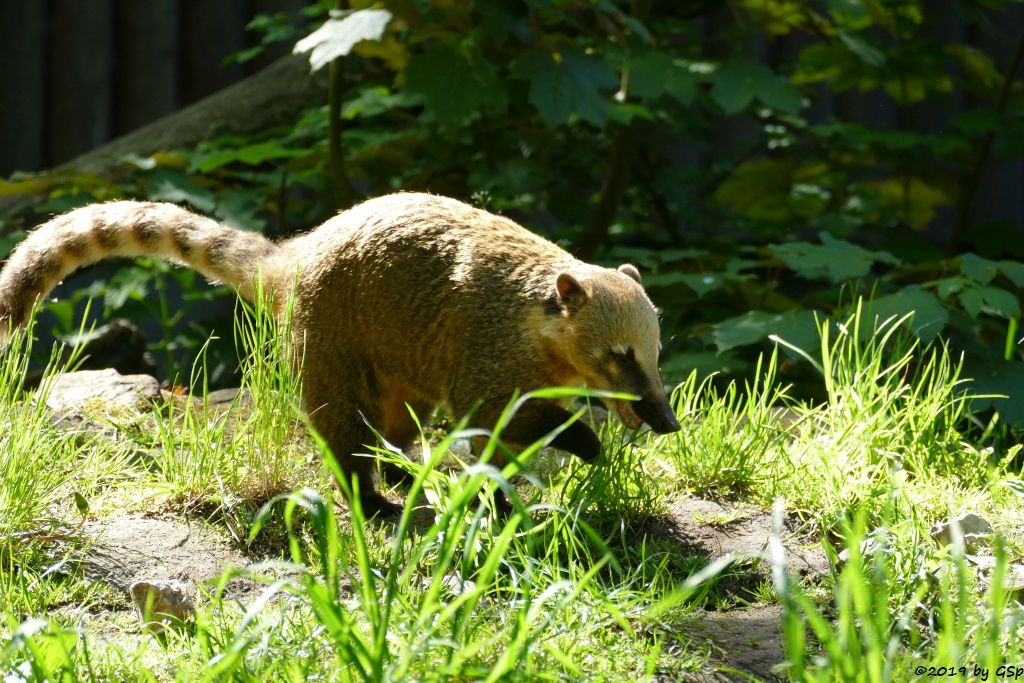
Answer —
534 420
341 419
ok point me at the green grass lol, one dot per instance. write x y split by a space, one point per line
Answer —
575 583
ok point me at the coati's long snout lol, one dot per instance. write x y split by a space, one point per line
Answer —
657 412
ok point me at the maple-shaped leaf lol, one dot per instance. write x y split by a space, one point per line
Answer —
737 83
454 90
339 34
571 83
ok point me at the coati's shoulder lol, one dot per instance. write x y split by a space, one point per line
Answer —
418 233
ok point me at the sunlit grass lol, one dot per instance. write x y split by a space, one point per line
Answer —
570 584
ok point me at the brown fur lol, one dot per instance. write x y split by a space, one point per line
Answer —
405 299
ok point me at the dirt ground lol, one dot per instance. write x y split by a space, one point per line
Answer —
742 643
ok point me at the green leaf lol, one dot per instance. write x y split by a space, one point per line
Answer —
1000 377
703 283
758 188
251 155
1014 271
81 504
930 316
375 100
240 208
949 286
337 37
979 269
679 365
738 82
700 283
849 13
653 74
835 259
454 90
128 283
171 185
978 65
243 56
571 85
139 162
916 200
797 327
972 301
1000 302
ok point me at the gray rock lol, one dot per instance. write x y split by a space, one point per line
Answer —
976 531
225 398
161 602
74 392
1013 579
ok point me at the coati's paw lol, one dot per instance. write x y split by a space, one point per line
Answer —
376 505
580 440
396 475
502 507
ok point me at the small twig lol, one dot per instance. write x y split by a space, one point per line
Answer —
974 179
62 536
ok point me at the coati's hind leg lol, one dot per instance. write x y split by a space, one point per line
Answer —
398 427
343 429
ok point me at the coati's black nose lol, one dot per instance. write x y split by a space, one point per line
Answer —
656 411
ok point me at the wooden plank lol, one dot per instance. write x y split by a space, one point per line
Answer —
210 31
22 81
81 76
146 68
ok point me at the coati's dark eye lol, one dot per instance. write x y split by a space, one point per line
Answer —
622 359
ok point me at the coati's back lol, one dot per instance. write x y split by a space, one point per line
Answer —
418 284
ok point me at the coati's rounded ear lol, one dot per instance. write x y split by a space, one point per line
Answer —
570 291
630 270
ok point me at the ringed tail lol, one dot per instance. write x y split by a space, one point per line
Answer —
92 233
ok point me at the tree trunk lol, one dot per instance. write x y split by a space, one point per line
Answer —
272 97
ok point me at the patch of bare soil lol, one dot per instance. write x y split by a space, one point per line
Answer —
744 643
717 528
122 551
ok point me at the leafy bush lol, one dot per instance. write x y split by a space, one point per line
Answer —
584 120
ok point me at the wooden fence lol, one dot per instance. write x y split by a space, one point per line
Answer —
76 73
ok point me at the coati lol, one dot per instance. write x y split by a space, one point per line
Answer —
404 299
